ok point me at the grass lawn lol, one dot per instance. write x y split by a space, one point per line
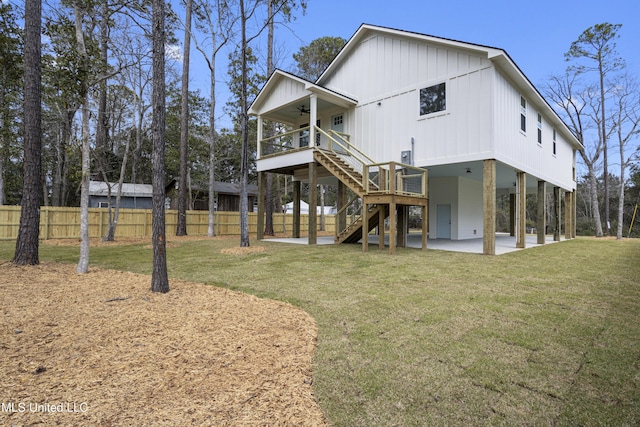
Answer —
546 336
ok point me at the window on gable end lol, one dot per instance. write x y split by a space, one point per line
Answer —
433 99
523 114
539 129
554 142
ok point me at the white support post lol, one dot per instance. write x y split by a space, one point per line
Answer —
259 132
313 118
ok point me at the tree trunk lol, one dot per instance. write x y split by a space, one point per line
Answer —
244 124
60 178
593 190
212 147
181 229
102 128
111 232
1 177
605 149
140 111
621 199
83 262
29 231
3 143
268 195
56 185
159 276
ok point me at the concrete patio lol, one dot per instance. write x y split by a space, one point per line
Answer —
504 243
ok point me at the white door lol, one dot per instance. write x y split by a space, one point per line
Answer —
337 124
443 221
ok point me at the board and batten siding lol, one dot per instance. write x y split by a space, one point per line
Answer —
521 149
385 74
286 91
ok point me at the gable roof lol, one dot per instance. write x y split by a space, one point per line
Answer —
230 188
499 57
308 87
234 188
100 188
366 29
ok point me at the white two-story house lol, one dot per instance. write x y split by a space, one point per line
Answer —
403 119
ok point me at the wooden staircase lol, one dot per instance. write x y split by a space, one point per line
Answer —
354 180
341 170
353 233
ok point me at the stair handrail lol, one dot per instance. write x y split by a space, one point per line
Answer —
343 211
350 154
347 146
343 170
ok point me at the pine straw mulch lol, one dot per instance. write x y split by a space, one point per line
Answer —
107 351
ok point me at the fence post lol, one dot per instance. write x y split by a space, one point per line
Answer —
100 219
46 222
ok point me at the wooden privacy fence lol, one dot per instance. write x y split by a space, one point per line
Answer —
64 223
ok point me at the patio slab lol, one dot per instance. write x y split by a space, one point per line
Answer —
504 243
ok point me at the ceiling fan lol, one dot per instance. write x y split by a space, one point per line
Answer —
303 110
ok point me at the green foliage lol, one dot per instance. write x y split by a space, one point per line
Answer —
254 83
11 47
229 144
198 151
287 8
597 43
63 70
312 60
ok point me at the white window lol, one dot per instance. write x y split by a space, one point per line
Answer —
539 129
433 99
554 142
523 114
103 204
337 122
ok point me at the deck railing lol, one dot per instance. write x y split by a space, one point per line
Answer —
396 178
282 143
386 178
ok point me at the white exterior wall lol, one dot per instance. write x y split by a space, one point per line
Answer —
286 91
385 74
522 150
465 197
471 216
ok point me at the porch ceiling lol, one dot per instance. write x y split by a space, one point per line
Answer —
295 111
505 175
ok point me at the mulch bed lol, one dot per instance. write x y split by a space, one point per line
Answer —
105 350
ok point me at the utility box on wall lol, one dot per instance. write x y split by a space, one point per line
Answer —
406 157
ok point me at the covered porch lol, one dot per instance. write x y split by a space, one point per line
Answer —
300 133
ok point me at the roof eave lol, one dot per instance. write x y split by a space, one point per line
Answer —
327 94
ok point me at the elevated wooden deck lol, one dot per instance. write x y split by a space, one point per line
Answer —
381 192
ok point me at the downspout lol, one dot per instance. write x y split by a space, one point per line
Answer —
413 156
